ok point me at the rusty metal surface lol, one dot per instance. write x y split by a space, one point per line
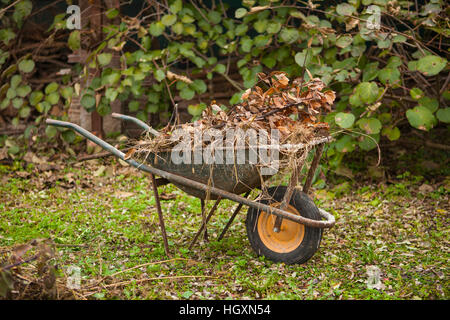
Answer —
237 178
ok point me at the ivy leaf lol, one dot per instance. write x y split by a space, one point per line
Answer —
88 101
112 13
24 112
152 108
68 136
6 35
429 103
416 93
220 68
169 19
443 115
22 9
370 71
36 97
345 144
51 131
23 91
241 29
51 87
103 109
302 58
199 86
398 38
389 75
16 80
26 66
273 27
391 133
160 75
240 13
104 58
11 93
133 106
370 125
367 92
187 93
111 94
67 92
52 98
394 62
369 143
344 41
17 102
431 65
269 62
74 40
196 109
236 98
345 9
156 28
176 6
246 44
260 25
153 96
421 118
187 19
344 120
214 17
289 35
178 28
384 44
43 107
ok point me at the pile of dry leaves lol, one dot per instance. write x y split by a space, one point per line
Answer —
275 102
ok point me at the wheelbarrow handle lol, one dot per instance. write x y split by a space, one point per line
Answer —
140 123
88 135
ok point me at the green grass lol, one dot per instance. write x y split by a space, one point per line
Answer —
392 226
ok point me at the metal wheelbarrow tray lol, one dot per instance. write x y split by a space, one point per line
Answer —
286 227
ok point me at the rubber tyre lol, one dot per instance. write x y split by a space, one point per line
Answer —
311 236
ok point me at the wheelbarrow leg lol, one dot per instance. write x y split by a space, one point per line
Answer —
290 189
230 221
287 197
203 206
160 215
205 221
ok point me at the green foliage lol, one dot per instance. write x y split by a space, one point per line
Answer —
377 65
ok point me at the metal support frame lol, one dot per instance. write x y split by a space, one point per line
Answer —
205 220
230 221
160 215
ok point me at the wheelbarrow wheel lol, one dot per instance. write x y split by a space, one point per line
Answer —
294 243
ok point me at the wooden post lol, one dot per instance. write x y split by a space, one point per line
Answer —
94 14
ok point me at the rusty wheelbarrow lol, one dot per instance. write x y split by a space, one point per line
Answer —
285 227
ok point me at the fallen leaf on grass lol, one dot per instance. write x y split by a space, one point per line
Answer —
123 194
425 188
167 196
100 171
23 174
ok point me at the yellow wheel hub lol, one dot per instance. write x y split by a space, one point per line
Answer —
290 236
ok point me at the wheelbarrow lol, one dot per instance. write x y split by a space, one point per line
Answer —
285 226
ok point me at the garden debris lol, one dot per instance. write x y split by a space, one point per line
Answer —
291 107
16 279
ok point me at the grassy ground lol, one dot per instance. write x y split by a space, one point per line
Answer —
102 218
